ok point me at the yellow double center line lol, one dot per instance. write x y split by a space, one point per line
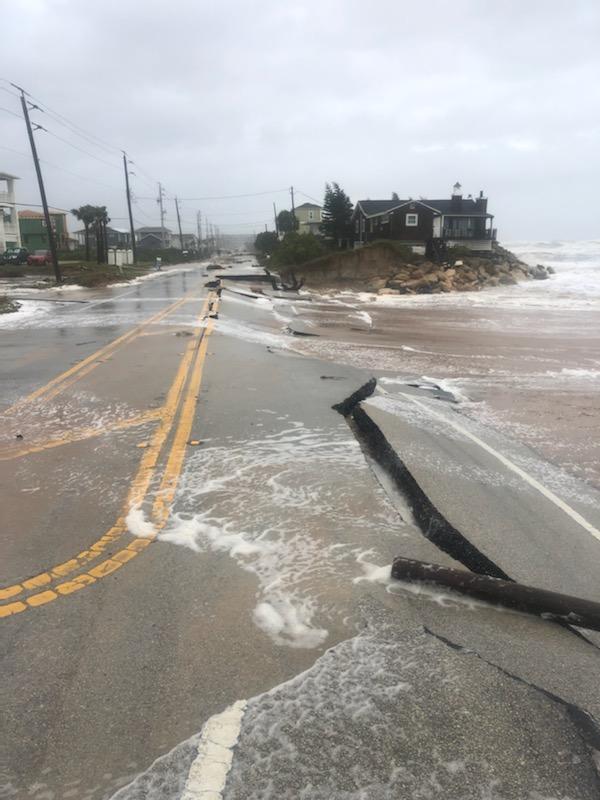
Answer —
84 367
190 366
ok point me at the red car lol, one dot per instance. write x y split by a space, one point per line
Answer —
39 258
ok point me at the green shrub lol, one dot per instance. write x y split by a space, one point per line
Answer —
297 248
403 250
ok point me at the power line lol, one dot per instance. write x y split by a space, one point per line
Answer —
39 205
314 199
81 150
74 127
8 91
232 196
61 169
14 113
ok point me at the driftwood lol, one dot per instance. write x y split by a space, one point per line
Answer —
295 286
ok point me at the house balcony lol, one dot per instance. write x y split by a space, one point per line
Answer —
455 235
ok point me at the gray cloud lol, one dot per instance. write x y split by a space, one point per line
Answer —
235 97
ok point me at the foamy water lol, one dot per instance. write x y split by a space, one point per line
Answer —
574 286
296 510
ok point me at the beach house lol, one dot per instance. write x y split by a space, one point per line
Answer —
455 221
10 235
309 218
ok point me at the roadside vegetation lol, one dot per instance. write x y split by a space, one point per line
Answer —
287 247
91 274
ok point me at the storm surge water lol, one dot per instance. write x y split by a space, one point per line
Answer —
576 280
575 284
296 509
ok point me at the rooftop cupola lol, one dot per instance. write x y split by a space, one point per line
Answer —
456 197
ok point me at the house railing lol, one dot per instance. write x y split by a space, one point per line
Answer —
450 233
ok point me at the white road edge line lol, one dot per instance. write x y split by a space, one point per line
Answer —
208 772
547 493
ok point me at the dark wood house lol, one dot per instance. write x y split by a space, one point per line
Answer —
455 221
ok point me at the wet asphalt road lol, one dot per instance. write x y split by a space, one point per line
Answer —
268 516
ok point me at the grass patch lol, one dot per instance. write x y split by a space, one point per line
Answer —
82 273
405 251
8 306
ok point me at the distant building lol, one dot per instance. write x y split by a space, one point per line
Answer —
151 238
190 241
116 237
10 235
456 221
34 234
309 218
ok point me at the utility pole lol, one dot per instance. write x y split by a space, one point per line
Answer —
131 228
199 227
179 225
293 207
162 214
51 239
276 221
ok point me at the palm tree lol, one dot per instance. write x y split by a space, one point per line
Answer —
86 215
101 220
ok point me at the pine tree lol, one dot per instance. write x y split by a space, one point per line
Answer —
336 214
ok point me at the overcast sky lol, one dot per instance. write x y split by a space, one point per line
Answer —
232 97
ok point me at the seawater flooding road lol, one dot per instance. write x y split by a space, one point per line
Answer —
195 593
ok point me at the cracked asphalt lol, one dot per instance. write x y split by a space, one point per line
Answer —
188 523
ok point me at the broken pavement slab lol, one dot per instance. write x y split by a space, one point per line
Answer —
514 525
396 712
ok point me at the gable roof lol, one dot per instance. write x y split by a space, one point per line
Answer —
373 208
152 229
308 205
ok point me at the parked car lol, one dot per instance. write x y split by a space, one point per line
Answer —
40 258
17 255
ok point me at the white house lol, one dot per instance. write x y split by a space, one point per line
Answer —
10 235
309 218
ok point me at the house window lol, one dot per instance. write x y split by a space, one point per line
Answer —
412 220
311 215
385 218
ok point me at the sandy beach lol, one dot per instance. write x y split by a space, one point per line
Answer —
523 359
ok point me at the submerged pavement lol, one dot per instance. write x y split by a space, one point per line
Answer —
208 542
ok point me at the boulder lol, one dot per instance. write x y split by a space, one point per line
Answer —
417 272
375 284
387 291
450 273
507 279
538 272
